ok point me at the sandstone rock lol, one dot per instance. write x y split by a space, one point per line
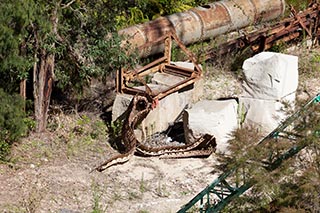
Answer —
270 80
218 118
166 79
120 105
270 76
165 113
184 64
264 115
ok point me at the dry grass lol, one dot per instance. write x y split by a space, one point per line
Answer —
72 137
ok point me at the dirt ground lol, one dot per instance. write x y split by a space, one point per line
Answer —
141 185
50 172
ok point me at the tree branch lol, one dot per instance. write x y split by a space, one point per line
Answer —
64 6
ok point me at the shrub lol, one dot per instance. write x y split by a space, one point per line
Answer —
12 125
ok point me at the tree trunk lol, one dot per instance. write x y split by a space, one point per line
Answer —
42 82
23 92
43 74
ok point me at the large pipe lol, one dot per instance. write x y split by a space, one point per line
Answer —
203 22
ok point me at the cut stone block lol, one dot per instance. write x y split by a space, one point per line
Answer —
167 111
166 79
120 105
270 76
218 118
265 115
184 64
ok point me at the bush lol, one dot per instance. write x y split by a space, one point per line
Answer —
12 125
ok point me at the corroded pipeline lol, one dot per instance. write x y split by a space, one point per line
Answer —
203 22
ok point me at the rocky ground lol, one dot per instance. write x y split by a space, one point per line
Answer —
50 172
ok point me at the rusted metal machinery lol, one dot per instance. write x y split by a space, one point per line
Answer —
188 76
300 25
145 99
201 23
138 109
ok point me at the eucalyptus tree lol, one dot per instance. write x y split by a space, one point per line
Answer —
66 42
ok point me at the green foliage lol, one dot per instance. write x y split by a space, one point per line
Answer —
315 64
25 26
115 128
80 43
110 50
97 207
14 61
114 132
84 135
134 16
299 5
30 123
12 125
98 130
294 185
145 10
309 64
278 48
92 44
92 129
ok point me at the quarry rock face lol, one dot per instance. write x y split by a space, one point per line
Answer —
215 117
271 79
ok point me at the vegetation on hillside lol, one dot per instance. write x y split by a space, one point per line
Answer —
12 123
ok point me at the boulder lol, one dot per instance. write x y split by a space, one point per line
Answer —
270 76
120 105
270 80
215 117
264 115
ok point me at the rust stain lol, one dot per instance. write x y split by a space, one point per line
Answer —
289 29
202 22
214 16
157 29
